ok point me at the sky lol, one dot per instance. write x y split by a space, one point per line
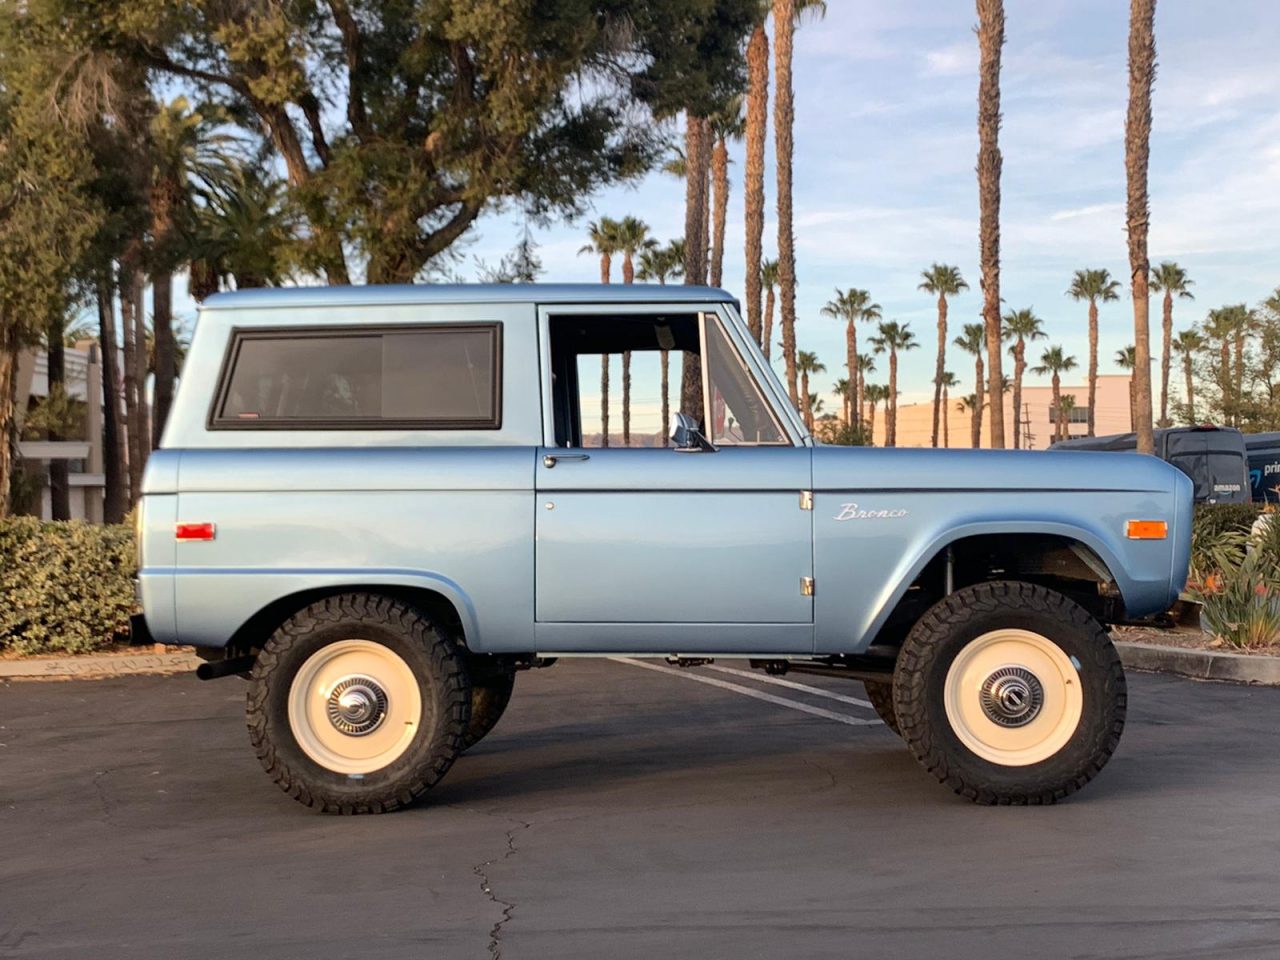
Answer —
886 143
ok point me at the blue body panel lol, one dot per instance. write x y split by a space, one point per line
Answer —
638 551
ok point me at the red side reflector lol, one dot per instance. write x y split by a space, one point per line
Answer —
194 531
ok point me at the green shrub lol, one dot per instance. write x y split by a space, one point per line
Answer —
64 587
1237 581
1213 521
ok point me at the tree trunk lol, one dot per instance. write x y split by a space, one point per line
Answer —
140 365
784 12
806 405
990 42
1238 398
1166 358
946 420
891 427
604 400
940 365
1093 367
720 210
1057 409
975 429
166 347
1019 367
130 304
115 499
753 181
871 423
8 402
1137 151
697 163
1133 413
666 397
1226 381
59 470
769 304
1191 393
851 359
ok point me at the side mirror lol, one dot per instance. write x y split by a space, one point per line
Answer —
687 437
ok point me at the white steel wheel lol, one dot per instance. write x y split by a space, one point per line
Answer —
1013 697
354 706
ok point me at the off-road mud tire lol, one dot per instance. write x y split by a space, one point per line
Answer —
435 661
939 637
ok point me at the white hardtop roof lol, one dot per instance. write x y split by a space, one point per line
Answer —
426 293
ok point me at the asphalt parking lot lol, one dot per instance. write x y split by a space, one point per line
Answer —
625 812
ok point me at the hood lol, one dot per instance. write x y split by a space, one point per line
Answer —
926 469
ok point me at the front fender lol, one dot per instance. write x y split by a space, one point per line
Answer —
865 566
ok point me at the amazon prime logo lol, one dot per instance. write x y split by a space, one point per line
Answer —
851 511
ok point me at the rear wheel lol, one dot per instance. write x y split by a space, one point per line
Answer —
880 694
358 704
490 695
1010 692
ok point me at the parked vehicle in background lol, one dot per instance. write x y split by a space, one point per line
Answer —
1213 457
1263 452
379 505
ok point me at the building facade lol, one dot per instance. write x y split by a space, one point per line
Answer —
1036 423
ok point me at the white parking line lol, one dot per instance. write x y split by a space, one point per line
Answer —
762 677
748 692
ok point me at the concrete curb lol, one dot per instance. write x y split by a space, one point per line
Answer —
1201 664
88 667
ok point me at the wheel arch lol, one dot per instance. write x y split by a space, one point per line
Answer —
1076 561
441 599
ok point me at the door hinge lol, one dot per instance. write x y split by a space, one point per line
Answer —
806 586
806 499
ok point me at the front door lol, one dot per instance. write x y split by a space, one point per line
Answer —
645 548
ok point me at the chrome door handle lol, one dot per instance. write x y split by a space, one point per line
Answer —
551 459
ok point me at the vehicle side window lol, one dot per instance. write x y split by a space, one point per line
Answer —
616 380
438 377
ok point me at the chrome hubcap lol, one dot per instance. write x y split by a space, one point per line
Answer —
1012 696
356 706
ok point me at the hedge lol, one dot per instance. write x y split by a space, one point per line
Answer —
64 587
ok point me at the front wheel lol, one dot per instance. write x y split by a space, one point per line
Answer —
1010 693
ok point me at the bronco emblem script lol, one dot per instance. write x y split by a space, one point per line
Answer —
851 511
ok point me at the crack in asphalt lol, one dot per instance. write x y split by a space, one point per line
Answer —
102 793
481 870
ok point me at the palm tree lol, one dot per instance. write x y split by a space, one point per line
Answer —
769 280
1094 286
1054 361
1244 324
1188 344
726 125
973 341
244 231
1126 359
815 406
632 238
604 242
842 390
851 306
697 153
874 394
893 337
786 14
1137 153
942 281
1171 280
1020 326
1221 326
658 263
990 43
866 365
949 380
753 179
807 363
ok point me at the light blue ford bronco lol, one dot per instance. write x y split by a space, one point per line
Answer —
381 504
